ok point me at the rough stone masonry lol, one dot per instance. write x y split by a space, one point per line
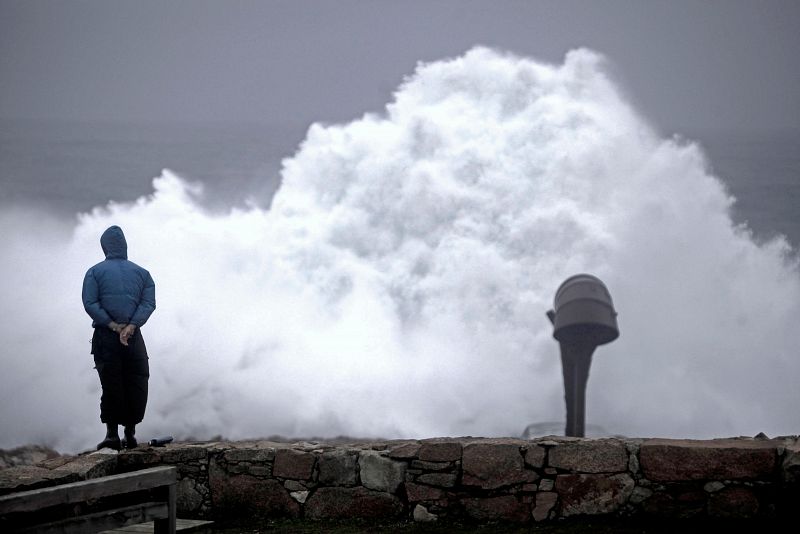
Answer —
456 478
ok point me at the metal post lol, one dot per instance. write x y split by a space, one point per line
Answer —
575 363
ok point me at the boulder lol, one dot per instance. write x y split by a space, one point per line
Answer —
138 459
547 485
422 515
545 501
790 467
491 465
633 457
181 454
351 503
291 463
590 456
431 466
593 494
262 471
404 451
245 494
500 508
28 477
440 451
294 485
441 480
664 460
640 494
420 492
381 473
189 499
338 468
250 454
534 456
94 465
667 506
735 502
26 455
299 496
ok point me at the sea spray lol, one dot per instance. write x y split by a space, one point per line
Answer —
398 284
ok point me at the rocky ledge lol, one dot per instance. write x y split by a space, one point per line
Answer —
455 478
25 455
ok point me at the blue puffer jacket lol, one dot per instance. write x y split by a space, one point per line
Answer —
117 289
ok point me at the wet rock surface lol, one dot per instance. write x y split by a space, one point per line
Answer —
470 479
672 460
26 455
490 465
346 503
590 456
592 494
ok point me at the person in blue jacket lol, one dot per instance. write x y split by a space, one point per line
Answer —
119 296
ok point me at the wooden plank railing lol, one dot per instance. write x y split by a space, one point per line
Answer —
162 511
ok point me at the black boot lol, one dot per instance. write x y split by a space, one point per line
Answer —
130 439
112 438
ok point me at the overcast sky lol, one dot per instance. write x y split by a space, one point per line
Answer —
686 64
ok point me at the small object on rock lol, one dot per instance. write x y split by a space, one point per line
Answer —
299 496
160 442
422 515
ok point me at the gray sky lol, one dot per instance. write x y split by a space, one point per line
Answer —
686 64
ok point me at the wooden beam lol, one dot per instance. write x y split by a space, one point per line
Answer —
106 520
182 526
168 524
29 501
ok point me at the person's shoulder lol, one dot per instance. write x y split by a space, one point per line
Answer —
138 268
96 267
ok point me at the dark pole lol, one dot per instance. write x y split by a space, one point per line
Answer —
576 358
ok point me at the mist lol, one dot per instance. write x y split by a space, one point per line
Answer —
397 285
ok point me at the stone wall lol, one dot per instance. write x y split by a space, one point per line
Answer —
465 478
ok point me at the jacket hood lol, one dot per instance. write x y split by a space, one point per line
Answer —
114 245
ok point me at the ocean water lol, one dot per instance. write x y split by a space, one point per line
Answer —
66 167
389 277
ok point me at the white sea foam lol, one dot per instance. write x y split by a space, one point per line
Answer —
397 286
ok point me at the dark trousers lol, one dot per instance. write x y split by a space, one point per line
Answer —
124 372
